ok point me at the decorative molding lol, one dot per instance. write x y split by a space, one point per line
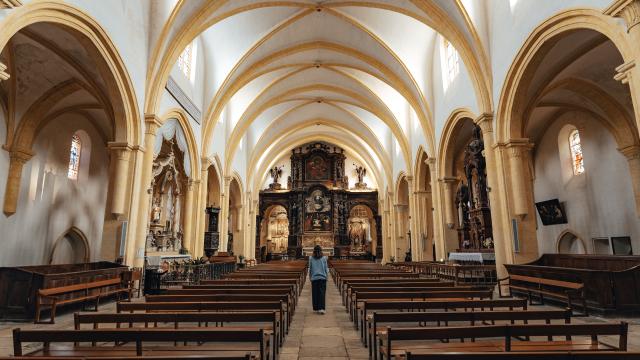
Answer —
176 91
3 74
629 10
10 4
623 71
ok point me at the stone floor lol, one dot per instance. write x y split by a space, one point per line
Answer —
311 336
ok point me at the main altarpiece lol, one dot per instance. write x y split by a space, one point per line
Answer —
320 207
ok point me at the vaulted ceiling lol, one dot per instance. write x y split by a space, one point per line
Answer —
355 73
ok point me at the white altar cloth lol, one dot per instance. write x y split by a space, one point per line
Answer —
471 256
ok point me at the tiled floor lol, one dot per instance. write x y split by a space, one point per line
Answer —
312 336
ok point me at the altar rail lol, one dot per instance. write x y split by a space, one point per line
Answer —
463 274
183 274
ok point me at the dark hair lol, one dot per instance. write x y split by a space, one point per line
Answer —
317 251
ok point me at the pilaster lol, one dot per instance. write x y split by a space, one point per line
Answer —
518 151
17 159
632 153
121 152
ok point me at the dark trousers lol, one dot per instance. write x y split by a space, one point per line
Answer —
318 290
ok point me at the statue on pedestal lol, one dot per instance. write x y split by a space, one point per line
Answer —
361 172
275 173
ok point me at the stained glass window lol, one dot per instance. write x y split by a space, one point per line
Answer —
576 152
185 60
74 157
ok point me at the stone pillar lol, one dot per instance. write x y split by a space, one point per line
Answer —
499 212
120 155
438 221
386 238
201 211
413 219
224 215
632 153
188 218
629 73
17 159
3 74
449 184
135 249
517 162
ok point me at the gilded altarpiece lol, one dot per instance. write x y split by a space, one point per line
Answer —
318 202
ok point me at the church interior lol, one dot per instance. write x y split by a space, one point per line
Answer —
469 168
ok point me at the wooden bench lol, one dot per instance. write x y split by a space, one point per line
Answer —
144 357
78 293
558 355
541 286
269 319
443 318
199 307
398 341
452 294
443 305
205 341
350 288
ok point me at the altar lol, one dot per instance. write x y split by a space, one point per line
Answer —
477 257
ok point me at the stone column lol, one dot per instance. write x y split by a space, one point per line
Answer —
201 215
438 221
413 219
188 218
135 249
632 153
224 214
3 74
120 155
17 159
499 212
449 184
517 162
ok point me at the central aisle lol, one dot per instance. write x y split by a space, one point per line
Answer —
329 336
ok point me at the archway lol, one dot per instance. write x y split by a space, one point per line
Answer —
558 85
274 230
70 248
236 231
401 219
569 243
424 211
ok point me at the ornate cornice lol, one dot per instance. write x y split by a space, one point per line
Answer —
10 4
624 71
629 10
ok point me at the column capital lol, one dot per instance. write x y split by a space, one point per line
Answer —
409 178
631 152
485 122
449 180
623 72
10 4
119 145
20 156
431 162
3 74
519 147
205 162
153 123
629 10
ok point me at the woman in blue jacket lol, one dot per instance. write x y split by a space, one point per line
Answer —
318 271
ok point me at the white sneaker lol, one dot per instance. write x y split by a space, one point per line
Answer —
321 312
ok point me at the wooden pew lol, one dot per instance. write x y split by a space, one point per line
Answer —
148 357
415 296
558 355
443 305
93 291
232 282
389 283
216 341
398 341
373 328
565 290
236 306
187 320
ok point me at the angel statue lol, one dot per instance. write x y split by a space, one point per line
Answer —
361 172
275 173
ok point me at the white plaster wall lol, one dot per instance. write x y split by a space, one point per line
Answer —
49 203
598 203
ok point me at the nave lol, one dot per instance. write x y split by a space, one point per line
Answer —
410 312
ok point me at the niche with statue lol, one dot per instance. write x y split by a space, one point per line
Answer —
169 186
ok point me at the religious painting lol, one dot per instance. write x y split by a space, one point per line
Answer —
551 212
317 211
317 168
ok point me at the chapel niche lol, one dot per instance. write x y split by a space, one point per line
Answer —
319 204
472 201
169 186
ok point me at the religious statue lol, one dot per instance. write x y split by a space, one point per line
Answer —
156 212
275 173
361 172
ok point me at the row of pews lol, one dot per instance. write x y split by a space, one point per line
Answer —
245 315
401 314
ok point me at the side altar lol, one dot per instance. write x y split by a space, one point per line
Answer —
320 207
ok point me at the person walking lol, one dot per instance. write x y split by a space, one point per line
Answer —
318 271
